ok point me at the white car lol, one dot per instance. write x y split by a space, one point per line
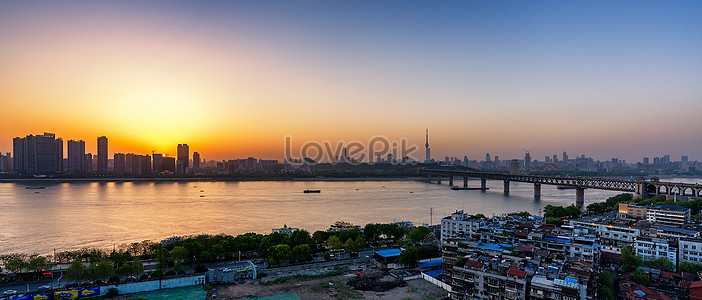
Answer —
44 287
10 292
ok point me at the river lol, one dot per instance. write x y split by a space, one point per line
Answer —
69 216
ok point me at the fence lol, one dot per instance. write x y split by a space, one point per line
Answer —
146 286
436 282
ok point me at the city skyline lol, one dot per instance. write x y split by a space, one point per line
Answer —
233 79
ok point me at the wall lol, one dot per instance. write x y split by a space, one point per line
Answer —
145 286
436 282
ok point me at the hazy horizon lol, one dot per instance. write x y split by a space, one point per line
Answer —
232 79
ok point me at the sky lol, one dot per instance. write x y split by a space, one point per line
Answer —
233 78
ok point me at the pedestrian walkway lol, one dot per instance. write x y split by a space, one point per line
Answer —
184 293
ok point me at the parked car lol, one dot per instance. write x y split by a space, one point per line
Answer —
10 292
44 287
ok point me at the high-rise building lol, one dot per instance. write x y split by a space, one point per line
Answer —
555 158
183 158
427 159
102 155
487 157
76 156
120 164
157 163
88 162
645 161
527 161
196 160
40 154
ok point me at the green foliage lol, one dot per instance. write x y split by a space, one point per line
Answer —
218 251
477 216
334 242
554 221
137 266
178 268
37 263
640 277
76 271
179 253
320 237
522 214
690 267
606 286
100 269
207 288
161 256
419 234
125 270
629 260
302 237
409 257
660 263
194 249
279 254
302 252
113 279
561 212
460 261
14 262
376 233
119 258
271 240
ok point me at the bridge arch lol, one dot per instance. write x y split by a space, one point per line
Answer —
688 192
663 190
675 190
651 189
552 165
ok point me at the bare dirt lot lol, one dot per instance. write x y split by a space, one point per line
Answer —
336 287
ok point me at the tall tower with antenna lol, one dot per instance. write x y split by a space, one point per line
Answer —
428 150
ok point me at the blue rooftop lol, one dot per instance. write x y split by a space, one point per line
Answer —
678 230
389 253
430 264
672 207
434 273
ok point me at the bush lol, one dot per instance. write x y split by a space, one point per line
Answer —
112 292
170 273
207 288
113 279
144 277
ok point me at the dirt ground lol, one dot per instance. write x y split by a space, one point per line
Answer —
334 287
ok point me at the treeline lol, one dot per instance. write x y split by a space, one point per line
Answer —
170 255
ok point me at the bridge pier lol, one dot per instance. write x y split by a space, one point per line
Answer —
450 181
580 198
438 179
537 190
483 184
465 181
506 187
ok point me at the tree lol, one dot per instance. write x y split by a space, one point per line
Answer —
334 242
271 240
606 290
76 271
554 221
419 234
125 270
640 277
629 260
605 293
218 251
194 249
178 268
300 237
279 254
37 263
409 257
660 263
302 252
179 253
372 232
100 269
689 267
119 258
137 266
161 257
320 237
15 262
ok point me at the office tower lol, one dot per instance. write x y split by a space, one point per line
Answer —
487 157
555 158
427 153
645 161
157 162
183 158
527 161
196 160
514 166
76 156
88 162
40 154
565 157
119 163
102 155
684 159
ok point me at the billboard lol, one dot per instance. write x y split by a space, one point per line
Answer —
76 294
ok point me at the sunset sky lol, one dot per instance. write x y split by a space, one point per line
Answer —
232 78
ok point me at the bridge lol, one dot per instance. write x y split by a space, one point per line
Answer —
639 187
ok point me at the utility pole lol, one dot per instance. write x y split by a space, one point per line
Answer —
431 216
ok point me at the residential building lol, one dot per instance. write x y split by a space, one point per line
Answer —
40 154
668 215
183 158
459 225
76 157
690 250
652 248
120 164
676 233
627 210
102 155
